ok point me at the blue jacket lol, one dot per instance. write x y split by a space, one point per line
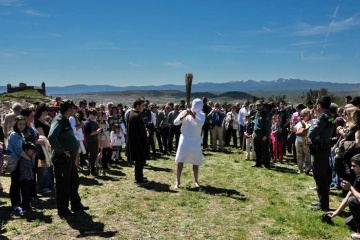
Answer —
15 142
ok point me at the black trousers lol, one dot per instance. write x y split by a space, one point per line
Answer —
106 157
25 186
15 187
241 136
205 135
67 184
322 175
93 148
228 134
262 150
174 132
165 137
151 141
159 139
139 167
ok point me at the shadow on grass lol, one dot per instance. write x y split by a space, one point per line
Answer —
231 193
158 169
112 171
86 181
283 169
30 216
158 187
86 226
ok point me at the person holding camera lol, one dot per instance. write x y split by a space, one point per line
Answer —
320 134
65 148
351 199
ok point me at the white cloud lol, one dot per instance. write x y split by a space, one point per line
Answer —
55 35
10 3
220 34
174 64
304 43
133 64
335 12
335 26
267 29
35 13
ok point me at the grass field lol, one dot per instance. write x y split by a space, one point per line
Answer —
235 201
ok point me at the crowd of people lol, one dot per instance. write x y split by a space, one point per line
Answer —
46 145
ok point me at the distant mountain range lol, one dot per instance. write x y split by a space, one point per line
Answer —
242 85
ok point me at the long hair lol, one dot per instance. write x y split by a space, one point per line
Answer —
354 120
16 121
41 108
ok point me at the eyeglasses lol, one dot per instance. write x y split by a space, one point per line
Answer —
353 165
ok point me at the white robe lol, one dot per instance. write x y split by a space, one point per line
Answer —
189 149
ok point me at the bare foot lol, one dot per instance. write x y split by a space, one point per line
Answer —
196 184
177 185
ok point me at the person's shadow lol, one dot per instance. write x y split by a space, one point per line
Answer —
231 193
84 223
158 187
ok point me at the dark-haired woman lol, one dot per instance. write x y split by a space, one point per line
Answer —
45 175
15 142
104 139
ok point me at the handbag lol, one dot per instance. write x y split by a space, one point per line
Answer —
11 165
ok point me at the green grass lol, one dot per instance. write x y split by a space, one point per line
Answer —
234 202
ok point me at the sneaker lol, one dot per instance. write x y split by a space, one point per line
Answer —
355 235
17 210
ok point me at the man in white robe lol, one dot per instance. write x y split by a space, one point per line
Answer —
189 149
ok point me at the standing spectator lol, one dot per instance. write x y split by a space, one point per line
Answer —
302 148
320 134
285 118
244 111
136 141
65 148
26 174
217 118
262 130
231 126
57 102
248 133
10 118
348 100
15 143
174 129
278 139
207 125
163 125
190 141
45 175
104 139
92 131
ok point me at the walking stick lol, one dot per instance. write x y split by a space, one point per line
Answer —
188 83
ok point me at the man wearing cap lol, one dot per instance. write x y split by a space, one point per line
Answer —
262 130
65 148
137 147
10 118
320 134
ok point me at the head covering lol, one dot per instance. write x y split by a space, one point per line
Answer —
355 101
259 102
325 102
16 105
197 105
26 112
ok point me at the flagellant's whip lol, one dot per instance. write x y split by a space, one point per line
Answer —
188 83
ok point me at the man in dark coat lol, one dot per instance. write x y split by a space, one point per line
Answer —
136 141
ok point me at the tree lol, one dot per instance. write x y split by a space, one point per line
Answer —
314 95
277 99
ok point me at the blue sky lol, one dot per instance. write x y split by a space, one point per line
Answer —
155 42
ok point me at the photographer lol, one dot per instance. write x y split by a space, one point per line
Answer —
217 118
351 199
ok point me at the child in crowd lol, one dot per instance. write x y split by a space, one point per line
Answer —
278 139
26 174
117 141
249 130
301 143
